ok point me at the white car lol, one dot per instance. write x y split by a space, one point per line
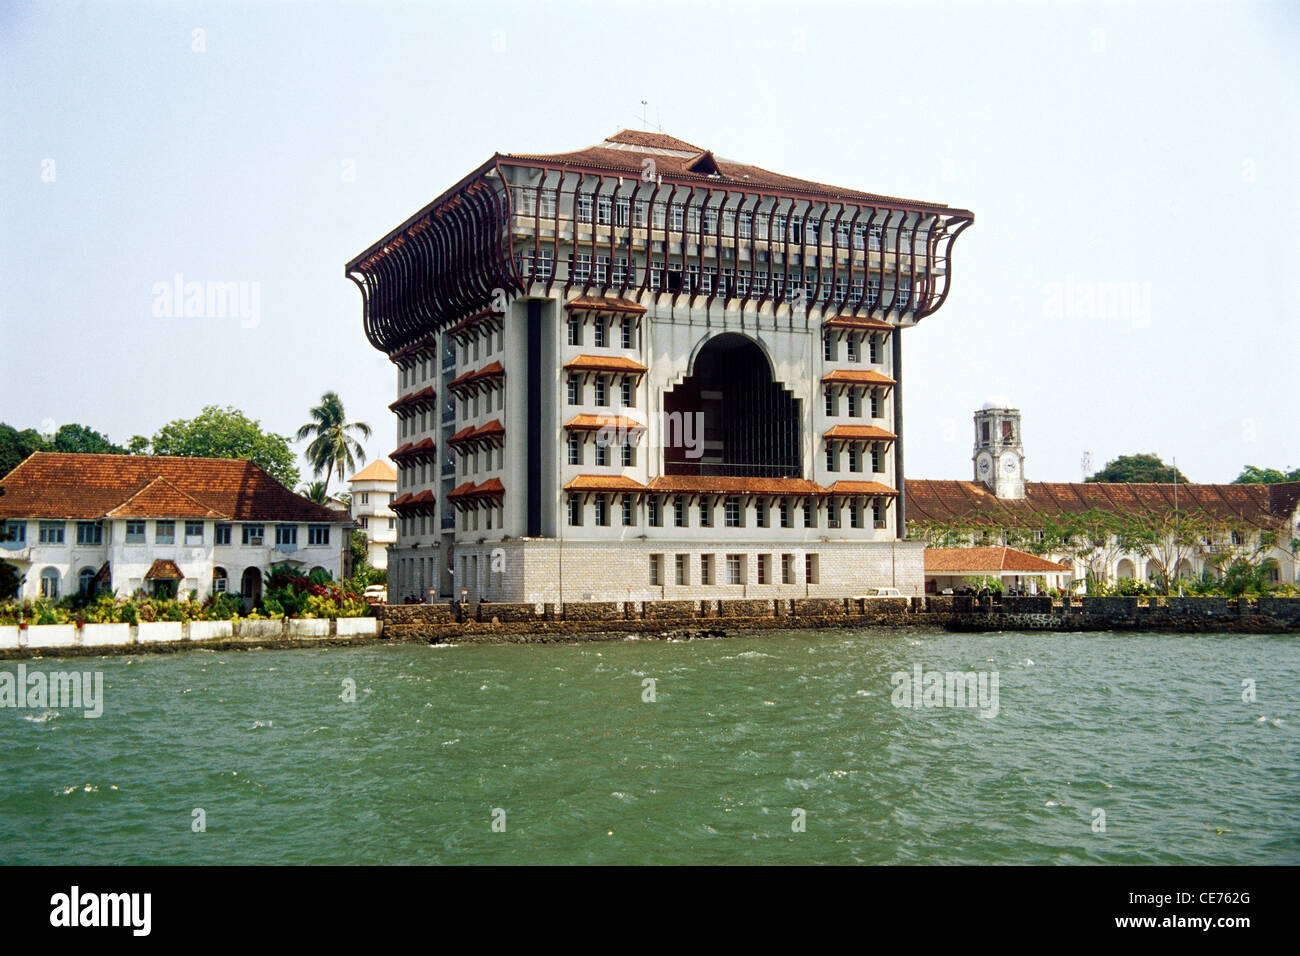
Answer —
376 594
882 593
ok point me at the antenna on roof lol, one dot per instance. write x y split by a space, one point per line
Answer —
1085 463
644 103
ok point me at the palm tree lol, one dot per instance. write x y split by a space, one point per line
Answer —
317 491
332 447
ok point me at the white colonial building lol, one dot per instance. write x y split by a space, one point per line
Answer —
74 523
642 371
373 489
1182 530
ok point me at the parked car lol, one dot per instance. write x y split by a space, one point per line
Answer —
883 593
376 594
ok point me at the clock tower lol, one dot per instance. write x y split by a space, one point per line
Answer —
999 456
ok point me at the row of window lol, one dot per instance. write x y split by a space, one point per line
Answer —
856 458
578 388
469 463
487 348
623 211
735 569
831 347
789 286
51 577
733 512
874 402
627 330
578 451
91 533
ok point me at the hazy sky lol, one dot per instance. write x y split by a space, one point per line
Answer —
1130 281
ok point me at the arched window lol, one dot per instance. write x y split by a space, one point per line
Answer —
50 583
731 416
86 581
220 581
250 586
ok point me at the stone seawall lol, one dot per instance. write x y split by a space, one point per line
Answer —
1185 615
589 620
612 620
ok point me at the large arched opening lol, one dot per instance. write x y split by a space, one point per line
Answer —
731 417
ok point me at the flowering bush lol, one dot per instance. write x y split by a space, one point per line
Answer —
288 595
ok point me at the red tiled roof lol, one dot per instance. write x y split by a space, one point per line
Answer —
415 398
873 488
492 488
847 376
377 470
977 560
606 303
704 484
469 320
640 137
409 500
466 378
72 486
423 447
604 363
696 165
857 322
859 432
163 570
603 483
596 422
945 501
492 429
160 497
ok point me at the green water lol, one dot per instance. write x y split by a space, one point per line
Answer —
743 732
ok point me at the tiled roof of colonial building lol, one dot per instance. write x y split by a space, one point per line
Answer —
678 160
962 560
377 470
72 486
944 501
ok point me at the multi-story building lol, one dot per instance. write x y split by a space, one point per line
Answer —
373 489
1109 531
641 371
74 523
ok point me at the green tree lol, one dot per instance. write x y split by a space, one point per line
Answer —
79 438
225 433
1251 475
1139 468
332 447
16 445
317 491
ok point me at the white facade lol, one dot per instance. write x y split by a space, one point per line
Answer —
373 491
448 551
59 558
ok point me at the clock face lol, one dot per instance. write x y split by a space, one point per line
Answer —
985 465
1009 464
